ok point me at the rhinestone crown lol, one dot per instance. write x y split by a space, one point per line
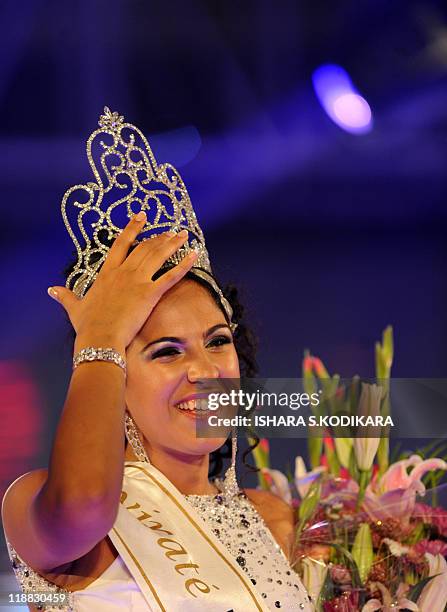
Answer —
127 180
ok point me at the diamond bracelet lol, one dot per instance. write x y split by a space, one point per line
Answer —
92 353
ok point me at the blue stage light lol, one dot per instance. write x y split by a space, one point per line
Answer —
341 100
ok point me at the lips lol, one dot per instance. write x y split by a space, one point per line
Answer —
194 408
194 404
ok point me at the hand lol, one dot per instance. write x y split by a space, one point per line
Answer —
123 295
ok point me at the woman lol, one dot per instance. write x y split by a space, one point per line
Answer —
141 527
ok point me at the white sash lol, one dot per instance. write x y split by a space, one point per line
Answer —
175 559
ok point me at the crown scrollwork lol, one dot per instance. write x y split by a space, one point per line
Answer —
127 179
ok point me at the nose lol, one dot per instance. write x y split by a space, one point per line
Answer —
202 367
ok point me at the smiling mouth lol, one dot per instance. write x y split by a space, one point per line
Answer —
194 408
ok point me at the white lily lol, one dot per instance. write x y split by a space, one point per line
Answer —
343 448
278 483
365 449
434 594
303 478
314 575
396 548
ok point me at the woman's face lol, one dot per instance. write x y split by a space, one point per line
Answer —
184 342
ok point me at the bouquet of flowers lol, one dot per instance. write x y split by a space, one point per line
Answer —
364 540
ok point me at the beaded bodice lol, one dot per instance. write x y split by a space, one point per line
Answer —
241 529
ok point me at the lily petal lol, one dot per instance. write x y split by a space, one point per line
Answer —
303 478
426 466
314 575
372 605
434 594
396 476
343 448
407 604
398 503
365 450
436 563
280 485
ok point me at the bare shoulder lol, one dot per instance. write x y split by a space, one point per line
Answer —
270 505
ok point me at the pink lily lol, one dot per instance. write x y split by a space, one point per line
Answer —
389 603
393 504
394 494
397 476
434 594
340 490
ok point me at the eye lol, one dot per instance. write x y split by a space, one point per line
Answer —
219 341
168 351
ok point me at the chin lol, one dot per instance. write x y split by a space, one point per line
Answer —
205 445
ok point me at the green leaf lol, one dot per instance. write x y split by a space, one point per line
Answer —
416 535
315 448
310 502
332 459
415 592
362 551
385 354
353 468
327 590
394 456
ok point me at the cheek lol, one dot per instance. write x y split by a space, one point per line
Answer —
232 365
145 388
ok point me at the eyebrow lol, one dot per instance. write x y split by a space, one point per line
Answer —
181 340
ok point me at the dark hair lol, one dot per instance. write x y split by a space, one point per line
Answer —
245 344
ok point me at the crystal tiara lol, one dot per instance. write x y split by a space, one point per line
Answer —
128 179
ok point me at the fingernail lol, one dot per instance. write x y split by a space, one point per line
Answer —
140 216
183 233
52 293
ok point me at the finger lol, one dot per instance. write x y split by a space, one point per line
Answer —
170 278
64 296
144 249
156 258
119 249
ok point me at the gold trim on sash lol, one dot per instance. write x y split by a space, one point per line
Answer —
199 529
142 572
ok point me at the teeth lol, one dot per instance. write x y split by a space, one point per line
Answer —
202 404
197 404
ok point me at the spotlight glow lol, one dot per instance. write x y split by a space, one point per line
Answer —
351 109
340 99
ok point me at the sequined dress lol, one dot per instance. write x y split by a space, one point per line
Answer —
239 527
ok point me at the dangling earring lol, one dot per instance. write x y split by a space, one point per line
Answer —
133 437
230 486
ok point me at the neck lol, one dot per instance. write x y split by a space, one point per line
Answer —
188 473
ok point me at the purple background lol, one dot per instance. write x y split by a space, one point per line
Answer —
331 236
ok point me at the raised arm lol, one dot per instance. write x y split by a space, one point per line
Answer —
54 517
